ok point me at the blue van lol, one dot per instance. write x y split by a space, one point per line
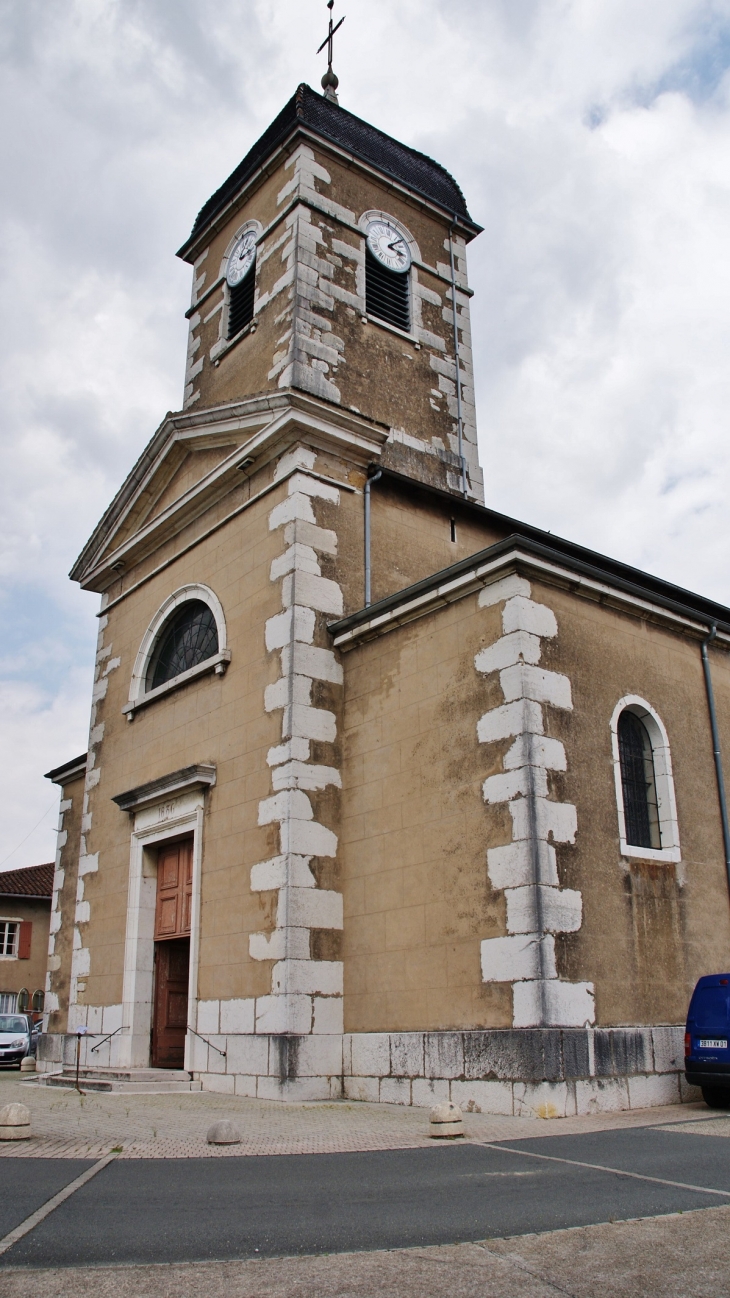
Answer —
707 1040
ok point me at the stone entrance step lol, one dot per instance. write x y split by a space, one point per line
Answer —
130 1080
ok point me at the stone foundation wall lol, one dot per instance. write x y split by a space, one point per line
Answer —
528 1072
539 1072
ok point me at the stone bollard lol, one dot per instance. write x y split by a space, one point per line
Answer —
223 1133
446 1122
27 1065
15 1122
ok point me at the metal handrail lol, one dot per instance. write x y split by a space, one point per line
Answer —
208 1043
99 1044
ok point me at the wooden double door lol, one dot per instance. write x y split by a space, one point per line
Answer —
172 953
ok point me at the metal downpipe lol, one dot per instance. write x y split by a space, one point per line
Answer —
457 361
716 750
366 494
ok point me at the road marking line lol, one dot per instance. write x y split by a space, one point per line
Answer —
616 1171
47 1208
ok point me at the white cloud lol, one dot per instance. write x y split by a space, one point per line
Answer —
591 140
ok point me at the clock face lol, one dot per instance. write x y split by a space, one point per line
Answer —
241 258
388 245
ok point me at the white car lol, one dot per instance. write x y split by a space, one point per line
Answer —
16 1038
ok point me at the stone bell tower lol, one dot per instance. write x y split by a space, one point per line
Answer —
329 347
333 261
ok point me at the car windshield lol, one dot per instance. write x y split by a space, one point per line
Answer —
11 1023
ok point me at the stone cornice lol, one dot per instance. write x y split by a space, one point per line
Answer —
167 786
69 771
517 554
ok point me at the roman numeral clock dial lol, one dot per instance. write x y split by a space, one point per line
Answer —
241 258
388 246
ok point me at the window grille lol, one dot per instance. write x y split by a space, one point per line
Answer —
387 295
8 937
240 303
638 784
8 1002
189 638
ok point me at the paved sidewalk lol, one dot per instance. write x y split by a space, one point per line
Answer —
680 1256
67 1125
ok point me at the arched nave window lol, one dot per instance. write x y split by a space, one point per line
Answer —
185 639
188 638
646 804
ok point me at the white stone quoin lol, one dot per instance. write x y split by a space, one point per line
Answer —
526 869
306 994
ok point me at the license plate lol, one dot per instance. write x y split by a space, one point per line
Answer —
712 1043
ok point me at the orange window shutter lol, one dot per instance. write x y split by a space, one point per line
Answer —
26 928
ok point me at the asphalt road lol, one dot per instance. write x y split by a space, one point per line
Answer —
166 1210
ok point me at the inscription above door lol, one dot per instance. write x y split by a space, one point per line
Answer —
174 890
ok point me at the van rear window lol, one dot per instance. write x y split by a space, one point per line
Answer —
709 1008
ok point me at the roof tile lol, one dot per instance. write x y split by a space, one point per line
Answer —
33 881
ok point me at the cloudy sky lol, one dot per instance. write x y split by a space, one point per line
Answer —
592 140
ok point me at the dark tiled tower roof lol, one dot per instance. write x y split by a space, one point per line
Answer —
312 112
33 881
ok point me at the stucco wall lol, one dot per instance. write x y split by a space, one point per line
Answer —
416 830
214 720
650 929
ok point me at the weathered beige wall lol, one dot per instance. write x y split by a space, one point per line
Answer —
223 720
418 900
410 535
415 831
218 720
244 370
649 929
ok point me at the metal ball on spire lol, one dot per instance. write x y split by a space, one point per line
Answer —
330 81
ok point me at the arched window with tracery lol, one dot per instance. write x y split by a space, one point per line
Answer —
646 804
188 638
185 639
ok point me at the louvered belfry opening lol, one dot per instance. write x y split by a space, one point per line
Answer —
638 783
240 303
386 294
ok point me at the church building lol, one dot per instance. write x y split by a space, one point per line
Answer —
387 796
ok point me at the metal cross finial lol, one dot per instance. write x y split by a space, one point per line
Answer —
329 81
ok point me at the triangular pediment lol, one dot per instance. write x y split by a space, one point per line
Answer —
178 474
194 461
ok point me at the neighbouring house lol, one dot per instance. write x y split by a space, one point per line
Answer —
25 913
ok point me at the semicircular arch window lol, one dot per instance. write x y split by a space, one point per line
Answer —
189 637
638 782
